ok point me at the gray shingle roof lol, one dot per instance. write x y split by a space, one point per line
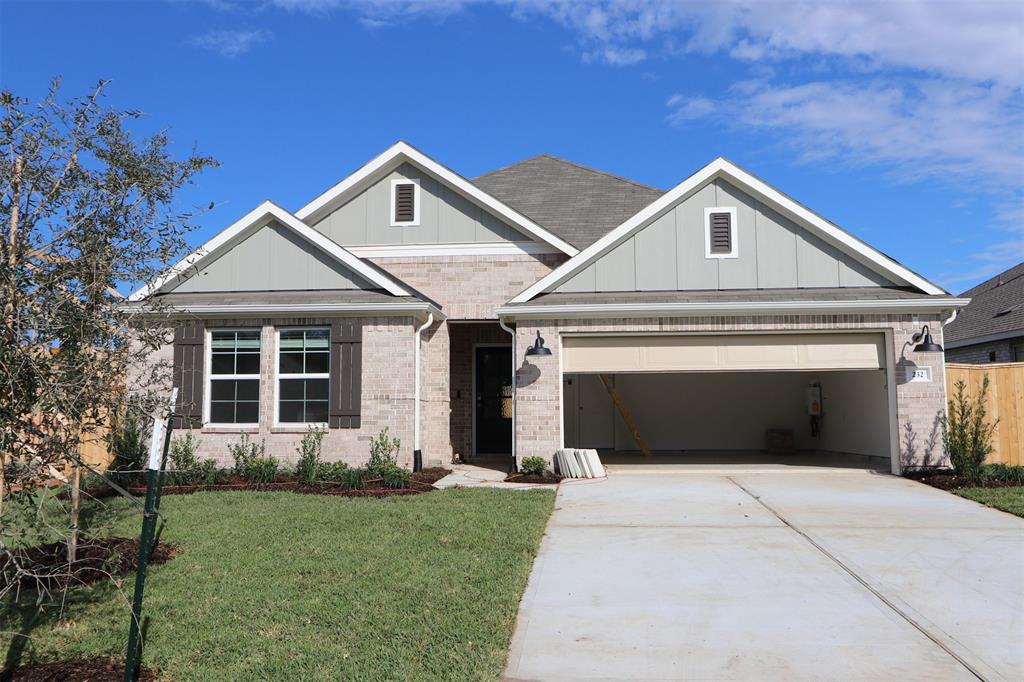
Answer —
573 202
996 307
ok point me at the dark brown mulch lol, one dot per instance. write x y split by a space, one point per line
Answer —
79 669
548 477
97 559
430 475
947 479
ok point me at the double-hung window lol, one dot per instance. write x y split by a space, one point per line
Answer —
234 377
303 375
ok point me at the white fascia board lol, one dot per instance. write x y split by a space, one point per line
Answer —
401 152
727 308
988 338
725 169
245 309
257 218
453 249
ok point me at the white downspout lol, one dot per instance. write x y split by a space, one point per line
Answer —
417 454
501 323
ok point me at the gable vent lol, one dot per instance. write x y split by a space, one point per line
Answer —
405 202
721 233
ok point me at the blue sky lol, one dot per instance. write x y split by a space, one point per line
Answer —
901 122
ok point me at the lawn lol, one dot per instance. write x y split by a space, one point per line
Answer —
288 586
1007 499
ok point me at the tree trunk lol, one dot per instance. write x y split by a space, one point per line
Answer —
76 505
10 309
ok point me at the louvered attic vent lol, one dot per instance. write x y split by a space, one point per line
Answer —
405 202
721 233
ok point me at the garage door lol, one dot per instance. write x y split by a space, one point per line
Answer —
740 352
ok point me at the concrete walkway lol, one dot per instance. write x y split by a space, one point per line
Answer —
472 476
772 576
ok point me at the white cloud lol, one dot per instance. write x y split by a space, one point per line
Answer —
230 44
992 260
688 108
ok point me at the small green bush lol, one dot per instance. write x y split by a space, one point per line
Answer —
383 451
262 470
308 466
352 478
128 444
331 471
393 476
1003 473
966 432
534 465
245 452
186 468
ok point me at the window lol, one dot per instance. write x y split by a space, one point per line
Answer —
234 378
720 233
303 375
405 203
1018 351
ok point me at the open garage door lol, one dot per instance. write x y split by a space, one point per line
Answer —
742 352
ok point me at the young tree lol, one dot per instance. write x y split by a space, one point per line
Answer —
86 207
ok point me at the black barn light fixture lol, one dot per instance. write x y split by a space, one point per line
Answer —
926 344
538 347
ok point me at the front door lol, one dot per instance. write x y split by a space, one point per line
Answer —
492 393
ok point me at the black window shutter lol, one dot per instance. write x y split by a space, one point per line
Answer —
188 373
721 233
346 397
405 198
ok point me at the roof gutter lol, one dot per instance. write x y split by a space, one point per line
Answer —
513 312
420 310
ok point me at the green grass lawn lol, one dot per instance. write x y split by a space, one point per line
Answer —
1007 499
289 586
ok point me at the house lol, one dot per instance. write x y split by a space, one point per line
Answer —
405 296
991 327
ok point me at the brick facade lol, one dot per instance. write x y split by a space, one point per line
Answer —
918 405
981 353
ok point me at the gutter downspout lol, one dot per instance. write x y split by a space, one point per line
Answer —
515 460
417 454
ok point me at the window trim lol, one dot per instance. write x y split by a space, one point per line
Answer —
733 232
278 375
208 380
415 202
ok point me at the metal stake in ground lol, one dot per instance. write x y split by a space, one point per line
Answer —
158 447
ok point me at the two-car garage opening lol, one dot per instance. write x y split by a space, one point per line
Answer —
738 397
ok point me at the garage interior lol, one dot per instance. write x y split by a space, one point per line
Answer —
810 400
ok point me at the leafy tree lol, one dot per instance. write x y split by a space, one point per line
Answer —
966 431
86 207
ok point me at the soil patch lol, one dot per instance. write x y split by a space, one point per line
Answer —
97 559
80 670
548 477
947 479
430 475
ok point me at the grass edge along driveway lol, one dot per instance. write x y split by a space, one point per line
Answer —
1009 499
288 586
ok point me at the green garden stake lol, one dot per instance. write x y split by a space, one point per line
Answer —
158 448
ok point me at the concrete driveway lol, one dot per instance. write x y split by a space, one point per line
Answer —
772 576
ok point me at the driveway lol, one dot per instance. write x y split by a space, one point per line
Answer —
772 576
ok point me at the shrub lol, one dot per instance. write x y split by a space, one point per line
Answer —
245 452
1003 473
383 451
262 470
966 433
352 478
393 476
534 465
308 466
331 471
128 444
186 468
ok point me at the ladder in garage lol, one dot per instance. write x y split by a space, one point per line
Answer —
620 405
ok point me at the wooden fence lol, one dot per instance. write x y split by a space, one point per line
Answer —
1005 402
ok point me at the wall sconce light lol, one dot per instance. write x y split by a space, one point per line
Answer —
926 344
538 347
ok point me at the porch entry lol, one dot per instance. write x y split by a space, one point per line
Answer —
492 394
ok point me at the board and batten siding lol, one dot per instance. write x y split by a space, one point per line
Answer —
773 253
273 258
446 217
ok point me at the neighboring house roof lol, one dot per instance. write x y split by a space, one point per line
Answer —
996 311
400 153
577 203
736 301
785 205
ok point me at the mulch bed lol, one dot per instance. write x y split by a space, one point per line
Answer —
80 670
97 559
947 479
422 482
548 478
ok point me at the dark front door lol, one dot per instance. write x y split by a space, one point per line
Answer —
493 383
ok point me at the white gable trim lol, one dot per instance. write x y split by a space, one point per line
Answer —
721 168
399 153
257 218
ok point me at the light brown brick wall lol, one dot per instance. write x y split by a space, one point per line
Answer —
387 389
918 405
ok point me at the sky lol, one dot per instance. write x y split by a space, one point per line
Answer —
902 122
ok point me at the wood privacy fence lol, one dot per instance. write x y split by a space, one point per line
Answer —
1005 402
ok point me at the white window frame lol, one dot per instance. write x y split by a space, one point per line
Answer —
278 375
208 381
415 202
734 232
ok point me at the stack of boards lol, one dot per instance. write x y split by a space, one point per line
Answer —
579 463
